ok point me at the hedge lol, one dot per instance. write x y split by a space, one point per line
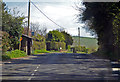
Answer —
38 45
55 45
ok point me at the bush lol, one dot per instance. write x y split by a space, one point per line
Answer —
5 42
55 45
15 53
38 45
81 49
5 57
69 48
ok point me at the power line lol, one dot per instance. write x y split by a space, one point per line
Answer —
46 15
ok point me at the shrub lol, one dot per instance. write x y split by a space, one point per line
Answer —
55 45
38 45
81 49
5 42
5 57
69 48
16 53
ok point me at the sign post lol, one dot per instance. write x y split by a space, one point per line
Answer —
20 42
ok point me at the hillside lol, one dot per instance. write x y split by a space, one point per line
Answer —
85 41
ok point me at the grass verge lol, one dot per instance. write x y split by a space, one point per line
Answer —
13 54
40 51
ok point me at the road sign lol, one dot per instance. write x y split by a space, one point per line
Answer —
21 38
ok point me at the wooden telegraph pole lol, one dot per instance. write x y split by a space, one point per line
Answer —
28 42
79 35
28 18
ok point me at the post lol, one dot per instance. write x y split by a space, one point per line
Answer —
28 18
79 35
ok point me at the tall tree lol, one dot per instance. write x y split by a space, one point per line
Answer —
68 39
55 36
38 29
12 24
100 17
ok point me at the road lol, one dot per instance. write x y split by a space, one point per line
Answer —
58 66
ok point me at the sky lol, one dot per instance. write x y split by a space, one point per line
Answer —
60 11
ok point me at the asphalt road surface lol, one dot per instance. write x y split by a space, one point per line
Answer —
60 66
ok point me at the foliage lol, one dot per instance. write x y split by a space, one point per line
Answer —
12 24
5 57
55 36
16 53
39 38
99 17
38 45
69 48
38 42
55 45
81 49
68 39
5 42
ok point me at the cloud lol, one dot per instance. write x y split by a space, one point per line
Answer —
61 12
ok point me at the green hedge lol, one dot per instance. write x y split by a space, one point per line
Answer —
81 49
55 45
38 45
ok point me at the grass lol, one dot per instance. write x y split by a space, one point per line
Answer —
53 51
13 54
40 51
90 43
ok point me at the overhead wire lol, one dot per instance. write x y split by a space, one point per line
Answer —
46 15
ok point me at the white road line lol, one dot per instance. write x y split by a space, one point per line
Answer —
37 67
114 62
34 72
116 69
29 79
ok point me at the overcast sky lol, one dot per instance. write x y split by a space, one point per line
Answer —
60 11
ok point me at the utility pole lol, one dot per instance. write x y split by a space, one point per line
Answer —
28 18
79 35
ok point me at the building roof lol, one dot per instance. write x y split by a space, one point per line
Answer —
27 36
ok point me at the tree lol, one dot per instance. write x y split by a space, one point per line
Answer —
5 42
55 36
38 29
12 24
68 39
60 29
100 17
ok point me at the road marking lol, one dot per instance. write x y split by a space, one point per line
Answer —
116 69
32 74
29 79
114 62
35 70
37 67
